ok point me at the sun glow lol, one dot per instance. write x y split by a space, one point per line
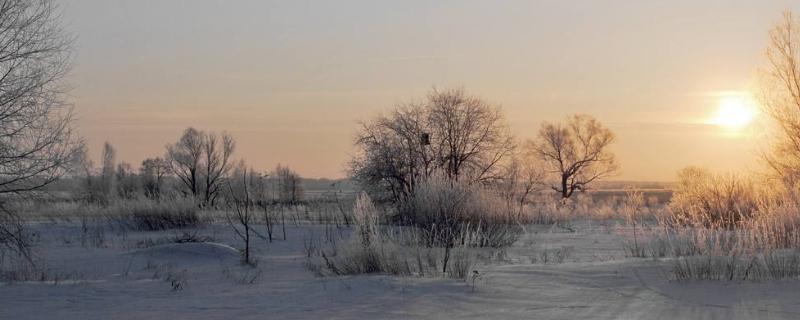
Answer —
733 113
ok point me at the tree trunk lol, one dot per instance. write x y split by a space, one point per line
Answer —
283 223
247 243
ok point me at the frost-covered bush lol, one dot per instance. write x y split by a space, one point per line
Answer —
452 212
703 198
395 251
721 227
366 220
368 250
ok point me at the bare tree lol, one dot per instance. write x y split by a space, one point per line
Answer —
108 162
523 177
201 161
288 189
262 193
217 164
153 171
83 167
394 152
126 181
241 221
37 141
779 96
461 135
184 160
287 185
470 135
576 153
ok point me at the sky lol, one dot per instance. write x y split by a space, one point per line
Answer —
291 79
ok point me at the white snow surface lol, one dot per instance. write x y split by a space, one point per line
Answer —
120 280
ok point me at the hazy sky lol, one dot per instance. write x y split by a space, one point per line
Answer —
290 79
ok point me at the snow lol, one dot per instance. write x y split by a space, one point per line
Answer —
191 252
122 280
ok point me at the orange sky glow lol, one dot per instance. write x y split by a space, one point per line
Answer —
290 79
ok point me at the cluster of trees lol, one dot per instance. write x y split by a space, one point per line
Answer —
462 136
199 166
467 139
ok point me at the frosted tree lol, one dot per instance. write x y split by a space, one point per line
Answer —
463 136
575 154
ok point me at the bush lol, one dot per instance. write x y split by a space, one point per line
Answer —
452 212
371 250
393 256
712 238
368 251
705 199
147 215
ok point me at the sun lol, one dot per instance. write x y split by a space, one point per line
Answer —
733 113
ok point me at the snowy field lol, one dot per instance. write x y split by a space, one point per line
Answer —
143 275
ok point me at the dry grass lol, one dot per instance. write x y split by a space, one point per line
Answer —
720 227
372 250
146 215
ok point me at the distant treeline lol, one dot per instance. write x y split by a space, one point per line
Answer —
344 184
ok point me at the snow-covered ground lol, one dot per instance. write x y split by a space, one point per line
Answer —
131 276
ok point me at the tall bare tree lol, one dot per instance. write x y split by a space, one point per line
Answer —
108 163
470 135
262 196
461 135
184 160
288 185
127 184
576 153
523 177
218 155
82 166
241 221
201 161
778 95
37 141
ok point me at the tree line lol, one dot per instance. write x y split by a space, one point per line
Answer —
199 166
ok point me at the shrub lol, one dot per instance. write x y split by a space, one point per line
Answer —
366 220
381 257
393 256
705 199
371 250
762 244
453 212
148 215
